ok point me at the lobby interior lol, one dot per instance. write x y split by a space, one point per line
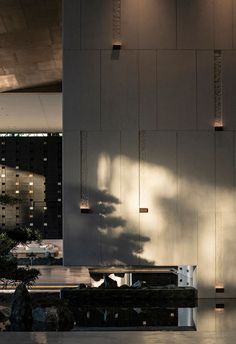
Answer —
136 102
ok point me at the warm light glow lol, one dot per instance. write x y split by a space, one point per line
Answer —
84 204
104 172
8 81
219 310
167 223
218 122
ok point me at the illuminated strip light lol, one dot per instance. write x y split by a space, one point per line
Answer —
84 194
116 24
29 134
42 287
218 90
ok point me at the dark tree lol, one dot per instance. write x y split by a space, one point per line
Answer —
10 273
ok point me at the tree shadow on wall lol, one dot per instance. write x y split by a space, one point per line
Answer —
102 235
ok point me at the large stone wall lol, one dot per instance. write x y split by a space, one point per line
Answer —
139 133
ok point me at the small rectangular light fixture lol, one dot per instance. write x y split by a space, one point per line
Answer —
220 290
143 210
116 45
84 207
218 125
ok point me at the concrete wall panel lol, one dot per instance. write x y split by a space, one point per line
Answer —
103 183
81 107
185 248
206 254
71 198
96 24
71 36
195 24
224 158
223 24
148 90
158 193
205 90
157 16
229 89
129 207
196 175
130 13
228 223
176 90
119 90
234 22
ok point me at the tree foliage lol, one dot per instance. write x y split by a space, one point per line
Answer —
10 273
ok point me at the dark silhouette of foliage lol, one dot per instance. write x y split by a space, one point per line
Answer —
10 273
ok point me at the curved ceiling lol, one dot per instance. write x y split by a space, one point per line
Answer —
30 43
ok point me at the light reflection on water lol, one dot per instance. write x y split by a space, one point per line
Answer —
213 325
134 318
210 316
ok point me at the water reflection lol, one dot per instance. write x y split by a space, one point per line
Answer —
135 318
210 315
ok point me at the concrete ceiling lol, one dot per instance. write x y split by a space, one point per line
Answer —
31 112
30 43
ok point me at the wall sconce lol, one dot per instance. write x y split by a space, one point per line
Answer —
116 45
218 124
219 289
84 207
143 210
